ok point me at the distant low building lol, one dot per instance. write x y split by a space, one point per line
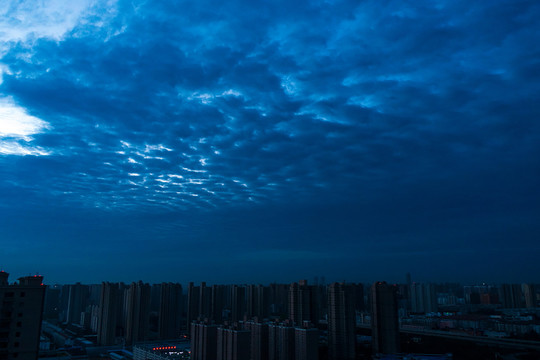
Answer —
169 350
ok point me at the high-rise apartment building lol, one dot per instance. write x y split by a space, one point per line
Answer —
77 300
203 341
138 312
21 309
529 295
205 302
302 303
94 318
51 308
199 303
262 305
257 304
511 296
341 322
192 311
306 343
281 342
217 303
278 299
259 339
423 298
170 311
251 300
238 303
384 319
359 303
109 309
233 344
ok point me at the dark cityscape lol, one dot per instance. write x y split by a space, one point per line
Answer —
269 180
301 320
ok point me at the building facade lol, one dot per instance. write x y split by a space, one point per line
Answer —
341 322
21 309
384 319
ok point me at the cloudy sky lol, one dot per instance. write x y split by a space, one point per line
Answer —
258 141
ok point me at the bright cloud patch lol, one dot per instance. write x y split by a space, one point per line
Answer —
51 19
15 148
16 130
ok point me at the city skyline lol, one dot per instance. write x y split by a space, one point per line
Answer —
297 321
270 142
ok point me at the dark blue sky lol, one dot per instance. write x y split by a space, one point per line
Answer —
258 141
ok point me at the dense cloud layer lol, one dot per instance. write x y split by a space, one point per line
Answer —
298 133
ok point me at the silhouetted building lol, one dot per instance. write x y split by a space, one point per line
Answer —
280 342
263 304
359 304
155 298
259 340
529 295
217 303
278 299
192 312
94 318
138 311
424 298
77 299
384 319
203 341
51 309
94 294
251 301
233 344
341 322
238 303
306 343
170 311
109 308
205 302
302 303
64 299
21 309
321 300
511 296
407 295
